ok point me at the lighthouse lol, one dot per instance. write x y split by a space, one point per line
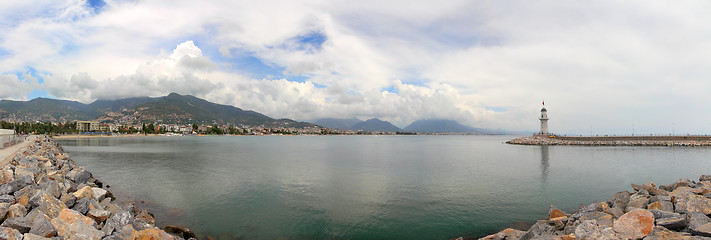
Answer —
544 120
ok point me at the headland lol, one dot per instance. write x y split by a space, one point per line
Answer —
685 141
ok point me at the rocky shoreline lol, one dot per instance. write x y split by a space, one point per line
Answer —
675 211
608 141
45 195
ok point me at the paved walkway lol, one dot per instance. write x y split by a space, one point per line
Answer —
6 154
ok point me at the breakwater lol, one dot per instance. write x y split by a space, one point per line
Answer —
44 194
687 141
676 211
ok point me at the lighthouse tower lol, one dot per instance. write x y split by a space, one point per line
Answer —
544 120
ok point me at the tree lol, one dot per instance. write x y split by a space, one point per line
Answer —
215 130
151 128
195 127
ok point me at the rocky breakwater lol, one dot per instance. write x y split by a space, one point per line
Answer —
45 195
675 211
606 141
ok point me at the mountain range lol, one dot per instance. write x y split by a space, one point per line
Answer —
422 126
173 108
185 109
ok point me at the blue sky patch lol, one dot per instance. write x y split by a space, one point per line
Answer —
313 40
496 109
96 5
391 89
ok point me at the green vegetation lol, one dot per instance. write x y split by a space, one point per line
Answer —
40 128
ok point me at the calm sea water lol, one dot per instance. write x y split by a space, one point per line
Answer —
368 187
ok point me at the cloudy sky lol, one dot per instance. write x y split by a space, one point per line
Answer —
602 67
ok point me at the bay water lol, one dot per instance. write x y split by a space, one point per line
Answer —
367 187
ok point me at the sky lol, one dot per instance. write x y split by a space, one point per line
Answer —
602 67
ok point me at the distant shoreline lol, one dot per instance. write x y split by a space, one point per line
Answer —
682 141
76 136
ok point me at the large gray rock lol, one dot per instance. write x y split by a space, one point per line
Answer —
68 199
21 224
539 230
51 187
81 205
32 236
42 226
637 201
690 203
79 175
17 184
117 222
7 233
661 205
47 203
7 199
16 210
98 215
619 200
4 208
699 224
99 194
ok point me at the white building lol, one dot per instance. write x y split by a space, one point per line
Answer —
544 121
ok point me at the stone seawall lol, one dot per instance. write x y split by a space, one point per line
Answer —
676 211
45 195
687 141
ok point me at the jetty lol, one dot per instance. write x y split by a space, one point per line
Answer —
675 211
683 141
45 195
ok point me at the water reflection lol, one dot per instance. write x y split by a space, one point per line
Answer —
544 162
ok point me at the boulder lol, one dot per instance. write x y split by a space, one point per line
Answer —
152 233
508 233
661 233
77 228
699 224
635 224
6 175
21 224
26 171
704 178
615 212
117 222
638 201
692 203
68 199
31 236
98 215
47 203
84 192
78 175
554 212
661 205
4 208
51 187
185 232
99 194
10 234
14 185
619 200
7 199
16 210
539 230
42 226
23 195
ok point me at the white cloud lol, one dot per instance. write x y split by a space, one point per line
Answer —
16 88
486 64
